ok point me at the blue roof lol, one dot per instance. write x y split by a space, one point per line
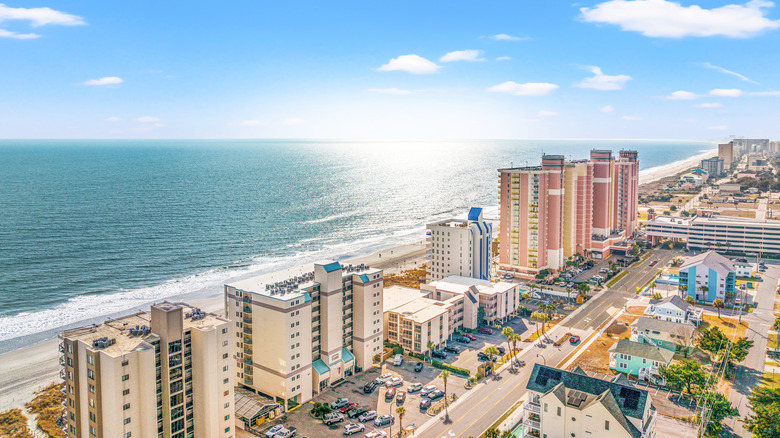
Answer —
320 367
474 213
306 297
346 355
364 278
333 266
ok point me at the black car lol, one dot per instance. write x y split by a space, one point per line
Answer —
358 411
501 350
439 354
370 387
451 349
482 356
425 404
418 367
463 340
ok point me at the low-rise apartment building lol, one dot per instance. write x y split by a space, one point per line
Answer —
168 373
411 320
297 336
498 301
572 404
674 309
460 247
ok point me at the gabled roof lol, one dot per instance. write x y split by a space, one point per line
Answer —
675 300
712 260
646 351
644 324
607 399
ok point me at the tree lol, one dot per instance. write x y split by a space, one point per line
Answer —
683 288
739 350
721 409
776 327
492 352
430 346
687 375
492 433
507 434
508 332
584 288
657 296
321 409
713 340
718 304
515 338
444 376
568 292
401 411
764 402
690 300
539 317
704 290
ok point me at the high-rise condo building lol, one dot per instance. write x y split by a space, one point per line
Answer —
460 247
296 337
726 153
168 373
553 211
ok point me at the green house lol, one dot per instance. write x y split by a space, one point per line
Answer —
668 335
640 360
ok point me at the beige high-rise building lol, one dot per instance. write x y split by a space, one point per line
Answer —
167 373
726 153
296 337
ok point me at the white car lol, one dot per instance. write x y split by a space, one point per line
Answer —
398 360
376 434
394 382
274 430
427 389
351 428
384 378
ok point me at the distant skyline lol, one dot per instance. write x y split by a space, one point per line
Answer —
508 69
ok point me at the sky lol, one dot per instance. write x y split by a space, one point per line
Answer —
402 69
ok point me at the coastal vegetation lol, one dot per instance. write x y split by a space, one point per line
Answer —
47 406
408 278
13 424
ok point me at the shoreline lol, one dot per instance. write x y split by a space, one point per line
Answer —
655 174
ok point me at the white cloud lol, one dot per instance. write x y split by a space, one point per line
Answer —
503 58
726 92
600 81
527 89
668 19
729 72
709 105
411 64
506 37
395 91
631 118
148 119
113 119
158 125
293 121
39 16
110 80
545 113
462 55
607 109
718 128
18 36
682 95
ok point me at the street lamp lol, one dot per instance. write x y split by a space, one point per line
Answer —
543 359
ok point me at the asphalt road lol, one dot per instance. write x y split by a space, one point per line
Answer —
488 402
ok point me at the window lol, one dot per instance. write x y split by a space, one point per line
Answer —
224 343
128 435
225 356
227 429
227 417
545 407
125 377
127 420
227 405
126 392
559 411
225 368
224 330
126 406
91 374
606 424
225 380
91 360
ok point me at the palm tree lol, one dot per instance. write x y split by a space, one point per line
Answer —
492 433
508 332
507 434
568 293
444 376
683 288
401 412
718 304
690 300
704 290
492 352
430 346
515 338
320 409
539 317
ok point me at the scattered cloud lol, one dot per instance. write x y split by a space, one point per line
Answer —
527 89
109 80
729 72
607 109
18 36
503 58
726 92
462 55
545 113
682 95
718 128
709 105
411 64
39 16
764 93
668 19
395 91
506 37
293 121
113 119
631 118
148 119
600 81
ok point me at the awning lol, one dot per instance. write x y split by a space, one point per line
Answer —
320 367
347 356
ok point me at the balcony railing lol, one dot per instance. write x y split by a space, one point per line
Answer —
531 407
531 423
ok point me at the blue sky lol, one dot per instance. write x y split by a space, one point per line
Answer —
403 69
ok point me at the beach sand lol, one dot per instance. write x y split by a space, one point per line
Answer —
672 169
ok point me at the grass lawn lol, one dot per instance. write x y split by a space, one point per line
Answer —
725 324
771 340
616 278
777 307
771 378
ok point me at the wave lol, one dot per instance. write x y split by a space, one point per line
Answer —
690 161
331 218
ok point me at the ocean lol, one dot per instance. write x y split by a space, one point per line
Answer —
93 227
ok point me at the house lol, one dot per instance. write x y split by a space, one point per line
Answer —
708 276
668 335
744 269
674 309
573 404
691 178
638 359
730 188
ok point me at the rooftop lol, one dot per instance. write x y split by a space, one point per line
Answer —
715 220
712 260
646 351
651 324
459 285
397 296
422 309
675 300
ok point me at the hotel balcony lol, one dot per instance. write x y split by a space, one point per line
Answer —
649 428
62 361
247 309
247 330
532 408
247 340
532 424
248 381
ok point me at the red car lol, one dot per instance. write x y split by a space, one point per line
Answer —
470 336
487 331
344 409
574 339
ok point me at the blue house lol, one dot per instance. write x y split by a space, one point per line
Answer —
708 276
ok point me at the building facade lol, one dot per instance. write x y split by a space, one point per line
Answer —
297 336
496 301
713 166
726 153
663 334
167 373
641 360
708 276
674 309
460 247
412 320
553 211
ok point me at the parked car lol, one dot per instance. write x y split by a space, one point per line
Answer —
367 416
344 409
398 359
358 411
395 382
376 434
400 397
370 387
390 394
485 330
351 428
574 339
418 367
439 355
463 340
333 418
287 433
451 349
384 420
383 378
481 356
340 402
425 404
414 387
435 395
274 430
470 336
501 349
427 390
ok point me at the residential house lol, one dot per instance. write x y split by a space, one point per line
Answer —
674 309
638 359
668 335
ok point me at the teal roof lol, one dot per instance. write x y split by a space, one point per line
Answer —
306 297
333 266
346 355
364 278
320 367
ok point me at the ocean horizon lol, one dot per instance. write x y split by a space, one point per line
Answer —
95 227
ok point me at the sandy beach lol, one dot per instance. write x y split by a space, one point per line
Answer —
658 173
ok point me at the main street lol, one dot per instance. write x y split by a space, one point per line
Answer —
487 402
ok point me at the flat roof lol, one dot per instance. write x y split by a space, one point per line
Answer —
397 296
459 285
716 220
422 309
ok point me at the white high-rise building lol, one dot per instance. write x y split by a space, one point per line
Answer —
460 247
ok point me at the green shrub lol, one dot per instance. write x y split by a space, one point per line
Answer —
443 366
398 349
